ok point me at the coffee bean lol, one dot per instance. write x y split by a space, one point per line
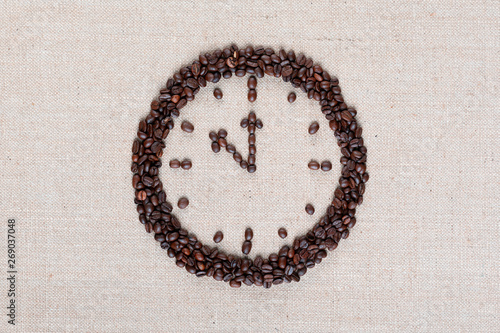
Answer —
222 142
251 168
218 237
244 123
292 97
282 233
244 164
222 133
186 126
309 209
183 203
313 165
246 247
235 284
326 165
186 164
231 149
217 93
251 159
259 124
213 136
252 82
141 195
252 95
215 147
252 117
174 164
237 157
313 128
251 139
248 234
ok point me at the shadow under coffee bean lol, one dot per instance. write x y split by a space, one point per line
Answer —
157 214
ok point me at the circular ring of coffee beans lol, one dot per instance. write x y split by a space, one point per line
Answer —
155 213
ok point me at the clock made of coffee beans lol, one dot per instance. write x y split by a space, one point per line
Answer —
157 215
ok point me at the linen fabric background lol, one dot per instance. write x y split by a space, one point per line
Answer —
76 77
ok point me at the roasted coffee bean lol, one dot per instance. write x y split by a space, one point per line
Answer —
251 168
292 97
218 237
246 247
251 139
183 203
186 164
252 117
244 123
282 233
222 133
252 82
309 209
186 126
231 149
237 157
252 95
213 136
313 128
326 165
251 159
222 142
215 147
217 93
244 164
248 234
258 123
313 165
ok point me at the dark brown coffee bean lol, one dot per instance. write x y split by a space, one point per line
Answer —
217 93
237 157
251 139
282 233
244 123
251 128
246 247
222 142
259 124
252 117
215 147
222 133
313 165
244 164
213 136
218 237
252 82
313 128
251 159
186 164
309 209
326 165
252 95
251 168
183 203
292 97
186 126
248 234
235 284
230 148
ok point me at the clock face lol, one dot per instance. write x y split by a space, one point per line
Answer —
278 189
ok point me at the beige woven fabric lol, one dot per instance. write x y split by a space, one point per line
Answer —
76 78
